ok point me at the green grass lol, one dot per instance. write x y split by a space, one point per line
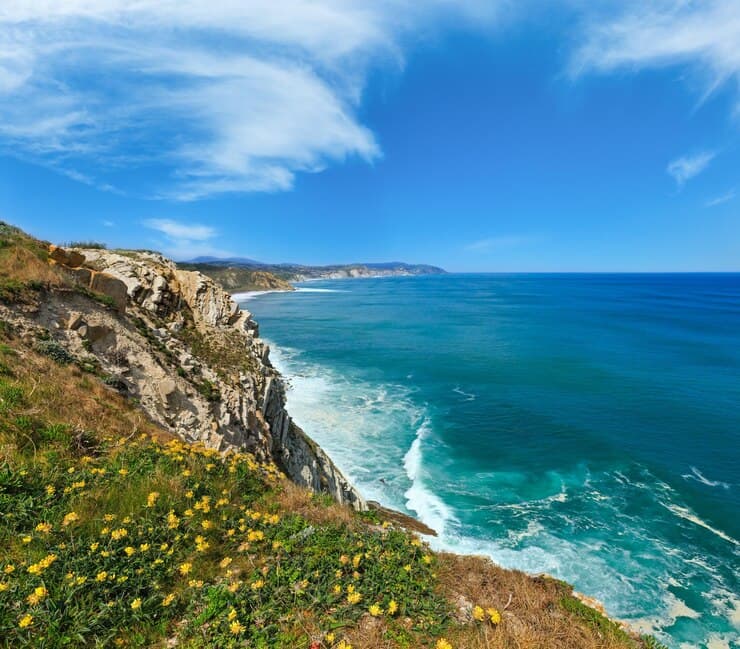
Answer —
120 522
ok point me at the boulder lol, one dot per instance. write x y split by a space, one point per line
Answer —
58 255
74 321
111 286
167 387
70 258
82 276
75 259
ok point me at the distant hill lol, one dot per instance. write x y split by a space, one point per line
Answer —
240 274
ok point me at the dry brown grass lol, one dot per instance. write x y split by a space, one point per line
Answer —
533 619
24 265
67 395
297 499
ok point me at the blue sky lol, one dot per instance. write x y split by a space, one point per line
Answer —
480 136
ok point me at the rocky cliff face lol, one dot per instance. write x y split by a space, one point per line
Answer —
177 343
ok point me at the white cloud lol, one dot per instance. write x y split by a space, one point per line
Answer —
703 34
723 198
177 230
228 95
686 167
185 241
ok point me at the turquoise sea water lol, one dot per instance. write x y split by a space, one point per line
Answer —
587 426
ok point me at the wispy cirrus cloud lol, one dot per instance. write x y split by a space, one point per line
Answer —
687 167
225 96
638 34
722 198
184 241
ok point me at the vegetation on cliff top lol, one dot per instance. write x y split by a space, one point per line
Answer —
235 279
112 533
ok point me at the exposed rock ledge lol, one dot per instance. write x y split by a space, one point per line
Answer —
175 340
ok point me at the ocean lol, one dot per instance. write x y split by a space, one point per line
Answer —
585 426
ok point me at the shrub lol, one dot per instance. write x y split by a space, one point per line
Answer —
55 351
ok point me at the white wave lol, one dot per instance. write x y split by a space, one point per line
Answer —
305 289
688 515
430 508
699 477
362 425
469 396
250 295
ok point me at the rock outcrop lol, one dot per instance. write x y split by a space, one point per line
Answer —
176 342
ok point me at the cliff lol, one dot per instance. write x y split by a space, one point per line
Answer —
177 343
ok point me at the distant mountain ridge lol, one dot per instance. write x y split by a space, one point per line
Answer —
242 274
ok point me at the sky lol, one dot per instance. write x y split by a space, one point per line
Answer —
501 136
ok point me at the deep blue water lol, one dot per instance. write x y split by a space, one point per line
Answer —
587 426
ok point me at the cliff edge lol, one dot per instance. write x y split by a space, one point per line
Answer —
175 342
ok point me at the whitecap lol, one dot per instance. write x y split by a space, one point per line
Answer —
303 289
699 477
430 508
687 514
250 295
469 396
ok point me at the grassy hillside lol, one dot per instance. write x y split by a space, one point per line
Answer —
112 533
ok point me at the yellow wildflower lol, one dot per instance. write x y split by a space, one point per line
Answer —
493 616
119 533
37 595
25 621
101 576
151 499
123 472
129 550
392 607
337 589
168 599
259 583
375 610
136 604
4 585
44 528
50 490
442 644
185 568
143 547
354 598
9 568
26 539
236 627
225 562
330 637
478 613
